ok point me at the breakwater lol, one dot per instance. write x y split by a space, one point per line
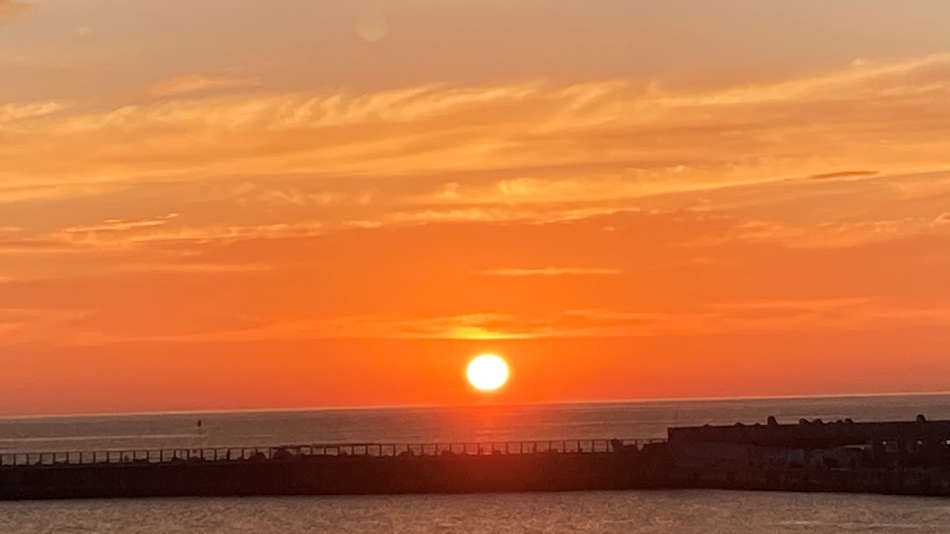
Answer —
894 458
568 465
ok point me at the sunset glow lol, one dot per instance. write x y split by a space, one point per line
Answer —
294 203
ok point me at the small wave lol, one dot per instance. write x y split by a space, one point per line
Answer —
101 438
850 525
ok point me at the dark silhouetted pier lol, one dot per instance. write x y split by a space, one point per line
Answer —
313 451
327 469
843 456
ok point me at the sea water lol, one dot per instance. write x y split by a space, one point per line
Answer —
636 511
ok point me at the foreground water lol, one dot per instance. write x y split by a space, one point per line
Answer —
680 511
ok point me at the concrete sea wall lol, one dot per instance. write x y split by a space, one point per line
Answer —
336 476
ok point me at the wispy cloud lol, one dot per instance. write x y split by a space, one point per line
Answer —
525 143
107 237
30 325
552 271
842 174
776 316
197 268
194 84
684 202
796 304
31 110
121 225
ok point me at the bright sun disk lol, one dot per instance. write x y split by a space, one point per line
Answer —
487 372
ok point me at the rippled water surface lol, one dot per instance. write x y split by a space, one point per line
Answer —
631 512
674 512
429 425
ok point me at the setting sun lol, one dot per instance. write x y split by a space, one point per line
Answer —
487 372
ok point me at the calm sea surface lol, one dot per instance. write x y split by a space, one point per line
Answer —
677 511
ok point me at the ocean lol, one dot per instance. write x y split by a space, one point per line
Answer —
637 511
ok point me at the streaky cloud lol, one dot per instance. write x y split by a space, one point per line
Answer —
553 271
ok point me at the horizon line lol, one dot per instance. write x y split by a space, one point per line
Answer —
654 400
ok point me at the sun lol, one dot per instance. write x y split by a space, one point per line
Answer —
488 372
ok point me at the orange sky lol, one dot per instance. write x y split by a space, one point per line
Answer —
297 203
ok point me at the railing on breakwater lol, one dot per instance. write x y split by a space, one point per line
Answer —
296 452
